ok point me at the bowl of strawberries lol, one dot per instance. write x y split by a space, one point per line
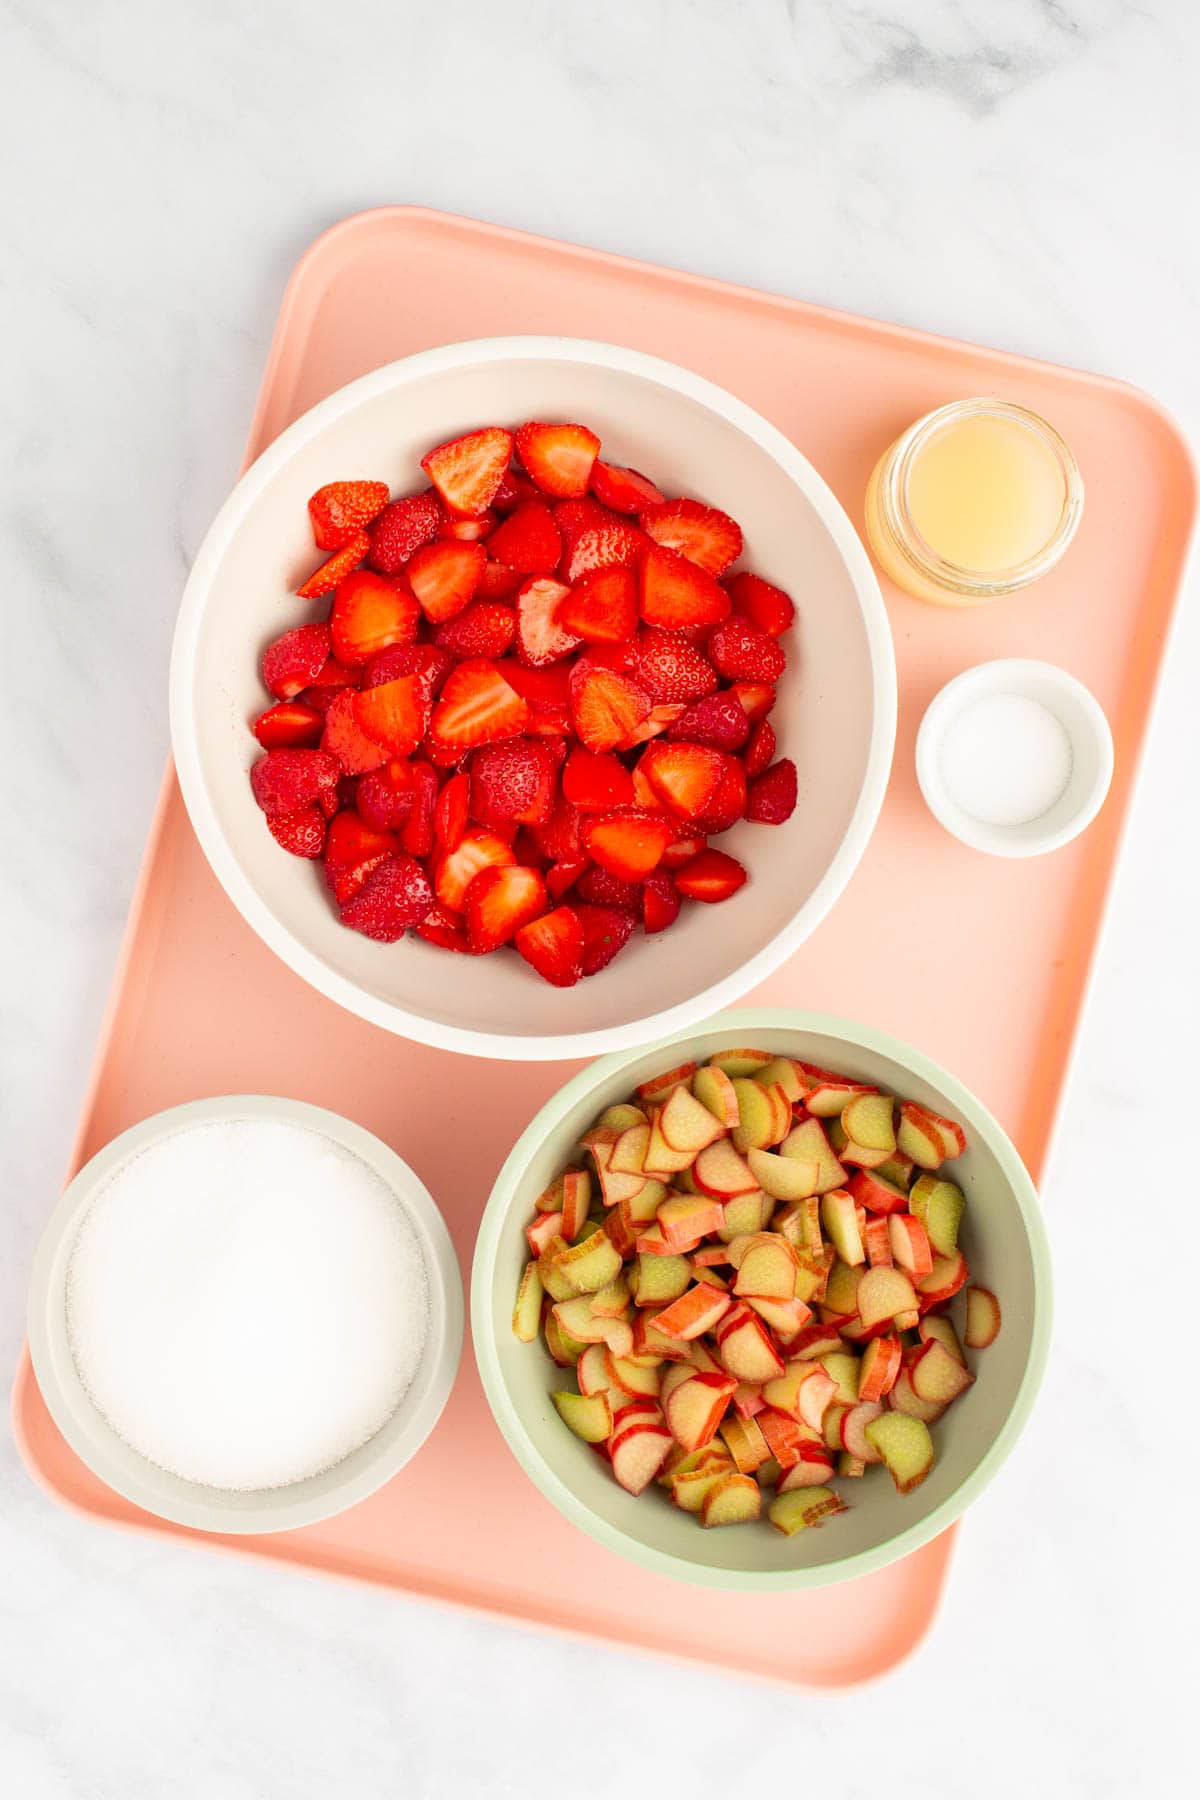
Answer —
531 697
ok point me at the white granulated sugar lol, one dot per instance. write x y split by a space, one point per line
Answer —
246 1303
1006 760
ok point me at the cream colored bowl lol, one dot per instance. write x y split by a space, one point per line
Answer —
835 716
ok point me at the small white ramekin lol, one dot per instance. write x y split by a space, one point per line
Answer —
1083 720
269 1509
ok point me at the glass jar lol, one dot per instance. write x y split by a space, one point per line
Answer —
975 500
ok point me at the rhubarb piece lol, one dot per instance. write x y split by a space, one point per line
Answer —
910 1245
936 1375
589 1416
732 1500
638 1453
694 1313
687 1124
883 1294
919 1136
840 1220
879 1368
695 1407
803 1508
939 1205
904 1444
983 1319
719 1170
527 1312
872 1189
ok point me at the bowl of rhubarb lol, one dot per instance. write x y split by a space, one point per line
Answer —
765 1305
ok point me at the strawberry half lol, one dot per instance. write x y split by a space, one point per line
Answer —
718 720
772 797
455 870
757 698
444 577
711 876
676 595
743 651
685 777
553 945
290 725
596 782
628 844
602 607
352 850
559 458
467 471
515 490
393 898
429 661
416 834
284 781
606 931
395 714
625 490
659 719
384 796
300 833
560 839
371 612
605 705
499 902
339 565
541 639
563 875
345 739
485 628
760 751
528 540
548 692
498 582
660 902
445 929
477 706
293 662
469 531
402 528
728 804
708 538
669 668
599 888
765 606
341 508
452 812
609 543
513 783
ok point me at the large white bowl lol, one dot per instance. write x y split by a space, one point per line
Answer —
835 715
1003 1238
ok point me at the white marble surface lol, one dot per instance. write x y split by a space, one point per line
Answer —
1007 170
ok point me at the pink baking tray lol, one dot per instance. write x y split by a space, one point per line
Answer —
981 962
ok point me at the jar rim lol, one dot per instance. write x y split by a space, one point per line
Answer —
908 541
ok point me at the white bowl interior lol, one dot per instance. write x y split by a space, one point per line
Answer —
834 717
270 1509
880 1525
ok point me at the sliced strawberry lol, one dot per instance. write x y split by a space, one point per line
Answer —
469 531
728 803
682 851
513 783
515 490
477 706
765 606
711 876
757 698
625 490
660 902
429 661
760 751
628 844
289 725
451 814
646 797
548 692
553 945
526 848
676 595
339 565
718 720
708 538
455 870
560 839
669 668
540 638
596 783
300 833
499 902
574 517
395 714
605 705
610 542
370 613
602 607
599 888
384 796
393 898
402 528
293 662
444 576
467 472
772 797
340 509
685 777
445 929
563 875
284 781
345 739
606 930
325 689
743 651
485 628
660 718
621 657
352 850
528 540
498 582
558 458
416 834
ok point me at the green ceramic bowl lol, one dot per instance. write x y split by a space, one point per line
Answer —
1003 1238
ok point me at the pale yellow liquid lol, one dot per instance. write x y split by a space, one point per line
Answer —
986 494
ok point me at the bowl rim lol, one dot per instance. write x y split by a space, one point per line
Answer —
389 1014
662 1562
190 1503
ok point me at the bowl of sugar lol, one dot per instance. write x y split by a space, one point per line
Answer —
245 1314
